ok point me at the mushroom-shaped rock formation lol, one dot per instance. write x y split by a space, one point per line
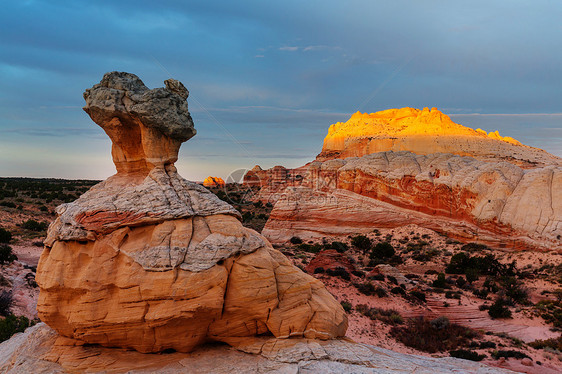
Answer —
150 261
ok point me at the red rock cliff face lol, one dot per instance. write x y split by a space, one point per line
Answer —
498 203
402 166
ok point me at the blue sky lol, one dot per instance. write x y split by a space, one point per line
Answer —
266 79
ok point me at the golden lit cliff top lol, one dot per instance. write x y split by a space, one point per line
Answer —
405 122
213 182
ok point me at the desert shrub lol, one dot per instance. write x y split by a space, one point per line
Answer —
440 323
311 248
30 279
460 282
467 355
398 291
423 335
508 354
5 302
392 279
499 309
513 290
295 240
387 316
474 247
550 311
440 282
347 306
381 292
33 225
319 270
418 295
6 254
452 295
431 272
554 343
358 273
5 236
338 246
484 307
7 204
382 250
486 344
378 277
11 325
463 263
339 272
365 288
361 242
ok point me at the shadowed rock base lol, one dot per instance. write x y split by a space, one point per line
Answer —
40 350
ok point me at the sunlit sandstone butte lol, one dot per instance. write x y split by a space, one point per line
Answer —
424 132
403 166
150 261
213 182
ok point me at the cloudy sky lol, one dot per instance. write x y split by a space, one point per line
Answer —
266 78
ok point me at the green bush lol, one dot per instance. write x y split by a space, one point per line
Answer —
339 272
33 225
11 325
5 302
366 288
430 336
296 240
418 295
508 354
554 343
440 282
499 309
467 355
382 250
312 248
5 236
387 316
347 306
398 290
361 242
6 254
338 246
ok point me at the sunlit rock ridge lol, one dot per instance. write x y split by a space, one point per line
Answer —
424 132
402 166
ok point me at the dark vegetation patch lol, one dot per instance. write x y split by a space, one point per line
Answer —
437 335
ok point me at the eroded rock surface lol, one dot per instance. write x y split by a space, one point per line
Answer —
149 261
497 203
40 350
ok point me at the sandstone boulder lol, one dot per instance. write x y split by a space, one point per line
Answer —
149 261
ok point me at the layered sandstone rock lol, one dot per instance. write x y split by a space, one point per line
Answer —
497 203
425 132
149 261
213 182
40 350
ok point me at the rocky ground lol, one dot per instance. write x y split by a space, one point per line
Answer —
383 293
